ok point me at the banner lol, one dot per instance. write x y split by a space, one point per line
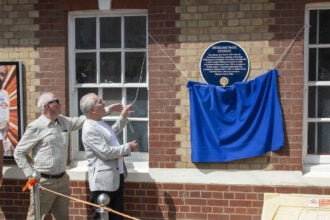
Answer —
241 121
11 114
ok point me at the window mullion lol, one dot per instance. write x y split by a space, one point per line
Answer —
123 49
316 88
98 50
316 124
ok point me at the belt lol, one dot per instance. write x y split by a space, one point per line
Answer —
49 176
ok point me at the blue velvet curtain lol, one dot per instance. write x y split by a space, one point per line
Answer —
241 121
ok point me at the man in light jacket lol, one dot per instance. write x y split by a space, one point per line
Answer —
106 166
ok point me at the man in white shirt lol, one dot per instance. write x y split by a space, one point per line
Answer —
106 166
47 138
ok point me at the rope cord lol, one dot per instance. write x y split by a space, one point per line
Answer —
88 203
176 66
137 91
285 53
140 78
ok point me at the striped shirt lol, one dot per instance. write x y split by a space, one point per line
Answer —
48 143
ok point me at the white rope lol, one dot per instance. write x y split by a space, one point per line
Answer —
137 91
138 88
279 61
88 203
167 56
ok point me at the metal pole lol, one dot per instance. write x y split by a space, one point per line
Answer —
36 195
103 200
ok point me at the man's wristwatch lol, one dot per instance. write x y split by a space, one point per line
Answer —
107 110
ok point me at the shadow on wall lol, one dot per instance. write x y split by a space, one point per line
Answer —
145 199
170 205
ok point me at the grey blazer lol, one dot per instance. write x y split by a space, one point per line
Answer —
102 155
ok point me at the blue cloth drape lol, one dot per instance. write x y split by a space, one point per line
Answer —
241 121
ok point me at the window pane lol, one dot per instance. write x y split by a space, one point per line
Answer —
111 96
324 64
324 35
319 101
110 67
135 67
135 32
86 67
312 102
140 108
312 64
323 101
110 33
85 33
313 27
81 93
321 133
138 130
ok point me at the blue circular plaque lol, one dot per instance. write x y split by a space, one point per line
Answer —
224 63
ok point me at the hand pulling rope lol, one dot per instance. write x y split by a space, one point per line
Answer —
31 182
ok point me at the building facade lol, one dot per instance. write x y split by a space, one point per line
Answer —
152 48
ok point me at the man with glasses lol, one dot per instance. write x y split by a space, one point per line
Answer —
104 153
47 139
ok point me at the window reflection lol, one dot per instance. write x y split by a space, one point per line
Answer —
112 96
110 34
138 130
319 138
313 27
86 67
324 64
85 33
140 108
110 67
135 32
324 26
135 64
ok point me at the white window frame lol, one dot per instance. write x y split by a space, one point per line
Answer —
77 155
307 158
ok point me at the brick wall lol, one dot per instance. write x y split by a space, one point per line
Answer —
18 42
34 32
52 62
164 200
184 30
163 85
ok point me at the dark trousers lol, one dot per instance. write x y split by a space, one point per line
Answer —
116 201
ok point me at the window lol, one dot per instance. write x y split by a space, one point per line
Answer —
108 56
317 84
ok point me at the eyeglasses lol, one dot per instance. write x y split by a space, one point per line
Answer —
55 100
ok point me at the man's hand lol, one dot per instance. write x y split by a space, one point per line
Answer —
127 109
133 145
